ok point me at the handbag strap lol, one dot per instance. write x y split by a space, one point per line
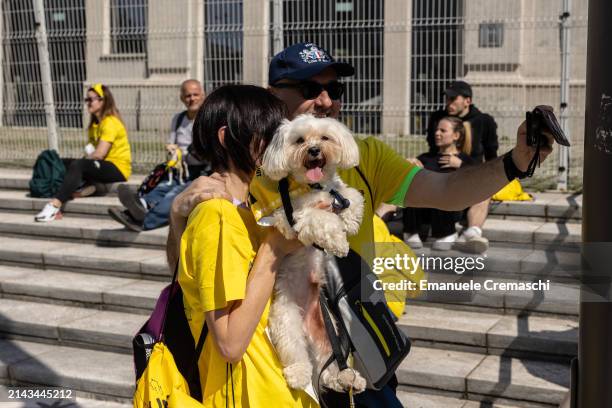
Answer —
338 355
203 332
283 189
171 292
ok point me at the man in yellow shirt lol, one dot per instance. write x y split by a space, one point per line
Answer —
305 77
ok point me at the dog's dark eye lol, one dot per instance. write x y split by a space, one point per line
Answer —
299 140
324 138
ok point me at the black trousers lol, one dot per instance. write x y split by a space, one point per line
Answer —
91 171
442 222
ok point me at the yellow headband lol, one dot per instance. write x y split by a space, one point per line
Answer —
98 89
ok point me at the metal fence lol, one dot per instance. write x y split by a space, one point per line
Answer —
509 50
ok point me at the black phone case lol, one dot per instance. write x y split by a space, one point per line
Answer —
543 118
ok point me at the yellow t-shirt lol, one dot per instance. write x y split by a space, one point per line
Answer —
388 174
218 248
111 130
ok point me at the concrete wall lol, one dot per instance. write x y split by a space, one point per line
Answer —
146 86
526 70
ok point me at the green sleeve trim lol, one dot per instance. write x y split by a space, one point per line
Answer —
398 198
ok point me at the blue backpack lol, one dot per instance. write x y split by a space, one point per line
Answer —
47 175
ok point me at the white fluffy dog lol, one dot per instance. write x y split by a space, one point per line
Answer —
310 150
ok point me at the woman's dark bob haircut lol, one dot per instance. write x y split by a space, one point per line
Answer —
251 115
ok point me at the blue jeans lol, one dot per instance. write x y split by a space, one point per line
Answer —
385 397
159 201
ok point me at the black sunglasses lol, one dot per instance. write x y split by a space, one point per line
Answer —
311 89
90 100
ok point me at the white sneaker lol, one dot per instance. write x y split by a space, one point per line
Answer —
472 241
48 213
413 241
446 243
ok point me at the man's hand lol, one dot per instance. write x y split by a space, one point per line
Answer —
522 154
201 189
450 161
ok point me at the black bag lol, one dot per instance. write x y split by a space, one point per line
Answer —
366 325
168 323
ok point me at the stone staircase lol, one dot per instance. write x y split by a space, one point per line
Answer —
73 293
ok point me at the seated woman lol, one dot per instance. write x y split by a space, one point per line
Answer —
453 140
228 263
108 159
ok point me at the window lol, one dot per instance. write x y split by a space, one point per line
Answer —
128 26
491 35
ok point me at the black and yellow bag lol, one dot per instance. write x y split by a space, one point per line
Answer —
366 325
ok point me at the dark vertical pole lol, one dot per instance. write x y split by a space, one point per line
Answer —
595 343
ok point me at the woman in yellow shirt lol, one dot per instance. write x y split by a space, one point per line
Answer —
228 263
108 156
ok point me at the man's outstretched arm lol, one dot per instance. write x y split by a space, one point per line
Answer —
472 184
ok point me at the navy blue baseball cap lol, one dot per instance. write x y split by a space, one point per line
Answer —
302 61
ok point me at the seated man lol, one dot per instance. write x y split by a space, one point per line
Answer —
152 210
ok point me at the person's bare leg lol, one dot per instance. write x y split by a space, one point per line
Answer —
477 214
471 239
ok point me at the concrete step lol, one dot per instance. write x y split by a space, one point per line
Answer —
110 375
79 402
101 374
480 377
91 258
549 206
69 325
561 298
492 333
539 233
533 232
24 289
81 227
18 200
413 397
136 263
19 178
520 259
94 291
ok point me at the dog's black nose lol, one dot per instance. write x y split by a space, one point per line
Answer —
314 151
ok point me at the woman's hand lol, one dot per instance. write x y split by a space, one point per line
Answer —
415 161
450 161
101 150
280 245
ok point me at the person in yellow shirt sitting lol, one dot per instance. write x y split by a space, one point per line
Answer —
108 156
228 264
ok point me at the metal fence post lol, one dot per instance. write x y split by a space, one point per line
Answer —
562 180
45 73
277 26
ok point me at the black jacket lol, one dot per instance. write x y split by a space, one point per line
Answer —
430 162
484 133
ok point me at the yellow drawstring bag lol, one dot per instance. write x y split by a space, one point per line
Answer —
161 384
513 191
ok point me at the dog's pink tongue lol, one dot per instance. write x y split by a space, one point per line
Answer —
314 175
